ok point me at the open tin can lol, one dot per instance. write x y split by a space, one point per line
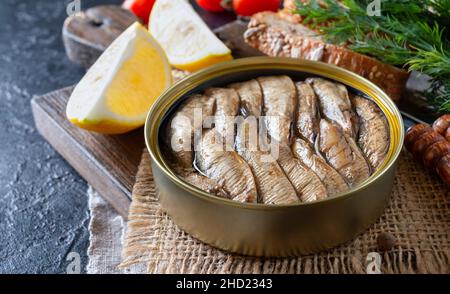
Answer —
271 230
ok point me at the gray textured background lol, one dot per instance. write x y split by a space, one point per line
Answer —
43 202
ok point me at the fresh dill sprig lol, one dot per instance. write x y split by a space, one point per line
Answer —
413 34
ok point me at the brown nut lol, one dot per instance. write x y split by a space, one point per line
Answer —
443 169
385 241
424 141
434 153
441 124
413 133
447 134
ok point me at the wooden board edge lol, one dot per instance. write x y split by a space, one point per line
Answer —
74 154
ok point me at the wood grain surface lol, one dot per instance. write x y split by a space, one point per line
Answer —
108 163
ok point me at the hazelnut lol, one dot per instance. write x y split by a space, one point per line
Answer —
434 153
385 241
447 134
443 169
441 124
424 141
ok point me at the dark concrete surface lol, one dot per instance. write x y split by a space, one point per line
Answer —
43 203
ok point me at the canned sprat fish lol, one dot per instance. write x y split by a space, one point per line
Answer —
287 207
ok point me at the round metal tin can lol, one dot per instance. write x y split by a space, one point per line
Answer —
271 230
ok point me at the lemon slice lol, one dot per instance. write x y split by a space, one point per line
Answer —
118 90
188 42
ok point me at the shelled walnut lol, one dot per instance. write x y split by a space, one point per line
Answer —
424 141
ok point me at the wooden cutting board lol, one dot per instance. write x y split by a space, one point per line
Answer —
108 163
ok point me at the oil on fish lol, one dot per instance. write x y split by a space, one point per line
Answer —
272 184
227 168
342 153
373 137
333 181
335 104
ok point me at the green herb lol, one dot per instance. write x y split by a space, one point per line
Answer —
414 34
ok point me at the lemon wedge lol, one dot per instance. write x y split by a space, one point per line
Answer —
117 91
188 42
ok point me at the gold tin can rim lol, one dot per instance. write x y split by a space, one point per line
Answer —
178 90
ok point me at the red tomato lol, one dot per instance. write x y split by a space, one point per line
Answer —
250 7
141 8
211 5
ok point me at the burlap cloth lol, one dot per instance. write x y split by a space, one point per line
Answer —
417 216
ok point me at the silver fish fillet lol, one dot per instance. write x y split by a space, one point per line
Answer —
279 96
227 107
182 126
191 176
306 183
271 182
251 97
204 183
373 135
333 181
335 104
342 153
307 112
227 168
